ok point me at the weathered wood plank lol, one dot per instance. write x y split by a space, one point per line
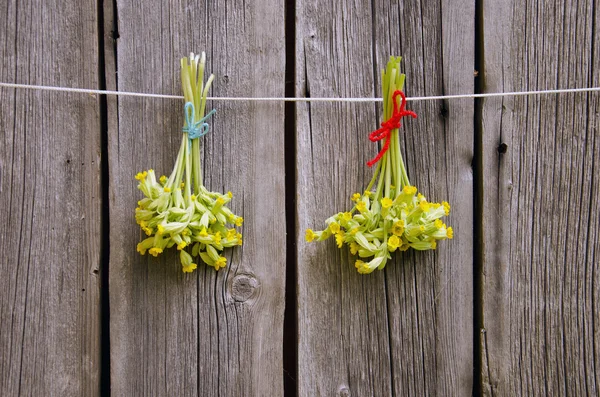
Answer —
540 196
406 330
206 333
50 195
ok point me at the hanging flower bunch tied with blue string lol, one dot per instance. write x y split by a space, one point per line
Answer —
178 210
394 216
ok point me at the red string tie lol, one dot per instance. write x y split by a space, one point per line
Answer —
389 125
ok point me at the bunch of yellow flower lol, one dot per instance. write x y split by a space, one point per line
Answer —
179 210
394 216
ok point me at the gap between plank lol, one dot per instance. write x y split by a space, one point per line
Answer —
477 166
290 318
104 213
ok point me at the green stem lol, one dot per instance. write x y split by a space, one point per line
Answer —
388 174
188 174
173 177
403 170
380 183
196 165
374 177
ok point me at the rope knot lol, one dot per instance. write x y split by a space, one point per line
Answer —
389 125
195 129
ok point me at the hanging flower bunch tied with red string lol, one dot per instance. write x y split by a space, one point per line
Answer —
390 215
178 210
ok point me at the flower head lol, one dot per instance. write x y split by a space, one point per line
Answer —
179 211
395 216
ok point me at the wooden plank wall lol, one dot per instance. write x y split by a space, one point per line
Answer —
407 330
204 333
540 201
49 201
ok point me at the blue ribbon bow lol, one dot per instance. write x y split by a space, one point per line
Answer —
195 129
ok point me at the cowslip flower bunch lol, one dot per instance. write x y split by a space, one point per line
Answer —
178 210
393 216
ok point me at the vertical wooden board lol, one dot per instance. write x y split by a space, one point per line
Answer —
540 264
204 333
406 330
50 195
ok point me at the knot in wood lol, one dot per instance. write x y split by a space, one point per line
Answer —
244 287
343 391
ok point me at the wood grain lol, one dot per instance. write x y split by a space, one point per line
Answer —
50 195
406 330
541 245
205 333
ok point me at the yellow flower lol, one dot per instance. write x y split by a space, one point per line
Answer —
189 268
339 239
398 228
438 224
386 202
410 190
446 207
238 221
361 206
174 219
450 233
393 243
310 235
220 263
424 205
354 248
141 249
334 227
347 216
355 197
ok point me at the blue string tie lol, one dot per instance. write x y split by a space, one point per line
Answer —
195 129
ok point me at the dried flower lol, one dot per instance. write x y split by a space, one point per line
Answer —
393 216
178 210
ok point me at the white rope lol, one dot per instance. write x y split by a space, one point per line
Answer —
271 99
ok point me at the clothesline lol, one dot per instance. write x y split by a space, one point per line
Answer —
292 99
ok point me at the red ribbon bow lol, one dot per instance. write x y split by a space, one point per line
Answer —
389 125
